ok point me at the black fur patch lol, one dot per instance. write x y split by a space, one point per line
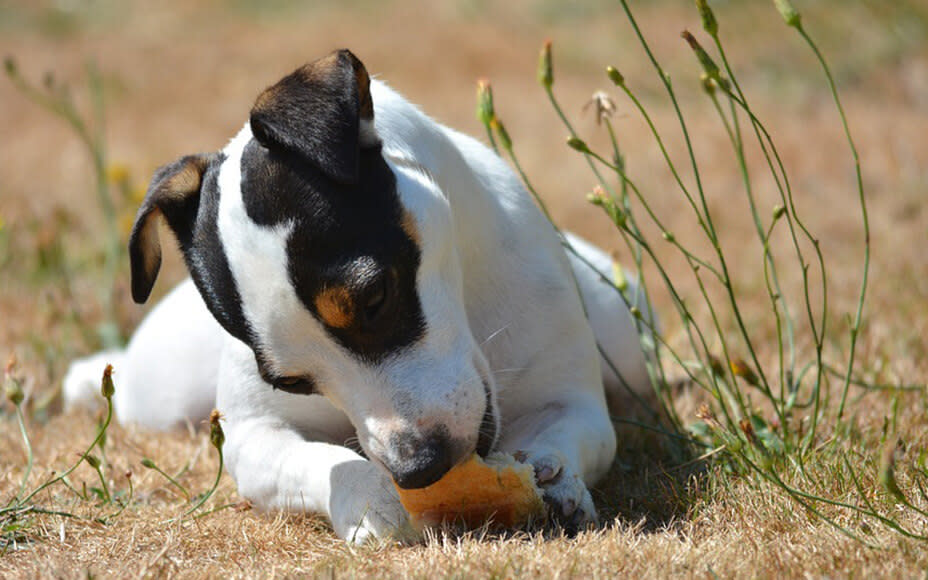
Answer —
344 235
315 113
186 193
206 258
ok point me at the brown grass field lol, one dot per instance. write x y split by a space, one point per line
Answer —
180 77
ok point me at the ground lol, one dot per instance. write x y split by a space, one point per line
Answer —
180 77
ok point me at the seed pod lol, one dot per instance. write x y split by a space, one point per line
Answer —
747 428
708 65
716 365
669 237
577 144
92 461
13 390
739 368
708 84
778 212
709 23
485 110
146 462
106 386
789 14
615 76
216 436
503 134
602 104
545 67
618 276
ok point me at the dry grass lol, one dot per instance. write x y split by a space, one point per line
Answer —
180 79
742 532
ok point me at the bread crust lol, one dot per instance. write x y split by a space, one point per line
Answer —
500 491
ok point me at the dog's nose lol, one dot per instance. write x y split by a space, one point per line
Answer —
422 463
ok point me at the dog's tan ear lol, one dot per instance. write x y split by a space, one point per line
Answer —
174 193
316 112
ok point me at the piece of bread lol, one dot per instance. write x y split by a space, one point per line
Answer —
500 491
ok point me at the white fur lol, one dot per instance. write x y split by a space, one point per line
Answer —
500 305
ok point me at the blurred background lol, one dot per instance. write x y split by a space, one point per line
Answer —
179 77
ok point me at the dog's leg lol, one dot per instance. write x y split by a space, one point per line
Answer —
614 326
166 377
278 469
285 452
570 443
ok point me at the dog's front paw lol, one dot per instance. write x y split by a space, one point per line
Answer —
569 501
365 507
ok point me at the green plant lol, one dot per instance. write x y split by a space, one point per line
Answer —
807 434
15 515
58 100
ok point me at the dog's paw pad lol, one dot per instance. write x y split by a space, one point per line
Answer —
547 468
547 474
570 504
377 526
365 507
569 507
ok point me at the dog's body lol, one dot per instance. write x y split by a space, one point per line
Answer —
432 314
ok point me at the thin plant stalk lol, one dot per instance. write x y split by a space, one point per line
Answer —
29 456
862 198
217 440
710 228
128 500
57 99
792 215
101 432
507 146
771 279
148 463
211 490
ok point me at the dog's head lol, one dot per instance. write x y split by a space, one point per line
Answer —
338 269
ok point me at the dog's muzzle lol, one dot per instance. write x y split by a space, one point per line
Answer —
421 460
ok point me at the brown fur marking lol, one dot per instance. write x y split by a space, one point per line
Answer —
408 224
336 307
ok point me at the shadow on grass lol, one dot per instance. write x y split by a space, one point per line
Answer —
653 481
654 478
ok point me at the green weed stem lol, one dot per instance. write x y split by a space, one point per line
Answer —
862 198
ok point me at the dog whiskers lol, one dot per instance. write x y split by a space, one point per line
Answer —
353 443
494 335
511 370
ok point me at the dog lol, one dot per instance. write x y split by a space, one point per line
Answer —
373 298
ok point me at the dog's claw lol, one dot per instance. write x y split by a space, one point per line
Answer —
569 507
570 504
546 474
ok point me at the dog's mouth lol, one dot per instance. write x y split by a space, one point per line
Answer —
488 425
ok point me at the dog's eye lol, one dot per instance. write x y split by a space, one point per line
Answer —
375 298
296 385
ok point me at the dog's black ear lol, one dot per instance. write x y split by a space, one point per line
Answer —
174 193
317 112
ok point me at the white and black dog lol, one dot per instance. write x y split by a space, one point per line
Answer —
389 300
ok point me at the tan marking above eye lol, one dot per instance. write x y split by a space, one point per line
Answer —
409 227
336 307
